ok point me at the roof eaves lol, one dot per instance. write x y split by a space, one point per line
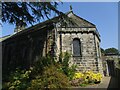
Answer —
5 37
32 28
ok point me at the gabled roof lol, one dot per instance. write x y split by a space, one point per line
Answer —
80 22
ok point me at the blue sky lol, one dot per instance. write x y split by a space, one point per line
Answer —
103 14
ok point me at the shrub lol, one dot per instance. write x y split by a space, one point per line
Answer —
51 78
18 80
65 64
41 63
64 67
71 71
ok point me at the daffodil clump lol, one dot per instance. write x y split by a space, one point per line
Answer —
94 77
78 75
97 77
88 77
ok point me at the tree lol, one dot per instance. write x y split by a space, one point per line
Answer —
102 50
111 51
24 13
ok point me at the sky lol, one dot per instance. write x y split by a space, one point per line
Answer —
103 14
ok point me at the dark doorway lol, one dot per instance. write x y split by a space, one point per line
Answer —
111 67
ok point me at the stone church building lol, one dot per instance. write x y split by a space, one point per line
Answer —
79 37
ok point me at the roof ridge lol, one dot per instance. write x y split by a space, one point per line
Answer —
68 12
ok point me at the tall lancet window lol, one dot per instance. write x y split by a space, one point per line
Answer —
76 47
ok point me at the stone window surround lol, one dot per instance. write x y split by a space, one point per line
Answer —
80 39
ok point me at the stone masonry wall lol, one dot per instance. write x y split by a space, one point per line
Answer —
23 50
88 60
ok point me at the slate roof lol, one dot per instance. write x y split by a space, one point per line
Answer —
78 21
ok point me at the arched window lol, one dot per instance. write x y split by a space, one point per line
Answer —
76 47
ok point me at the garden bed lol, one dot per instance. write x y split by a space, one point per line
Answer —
86 78
47 73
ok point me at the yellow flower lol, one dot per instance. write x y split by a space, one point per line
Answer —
78 75
88 76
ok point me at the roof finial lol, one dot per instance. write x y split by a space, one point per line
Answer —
70 7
